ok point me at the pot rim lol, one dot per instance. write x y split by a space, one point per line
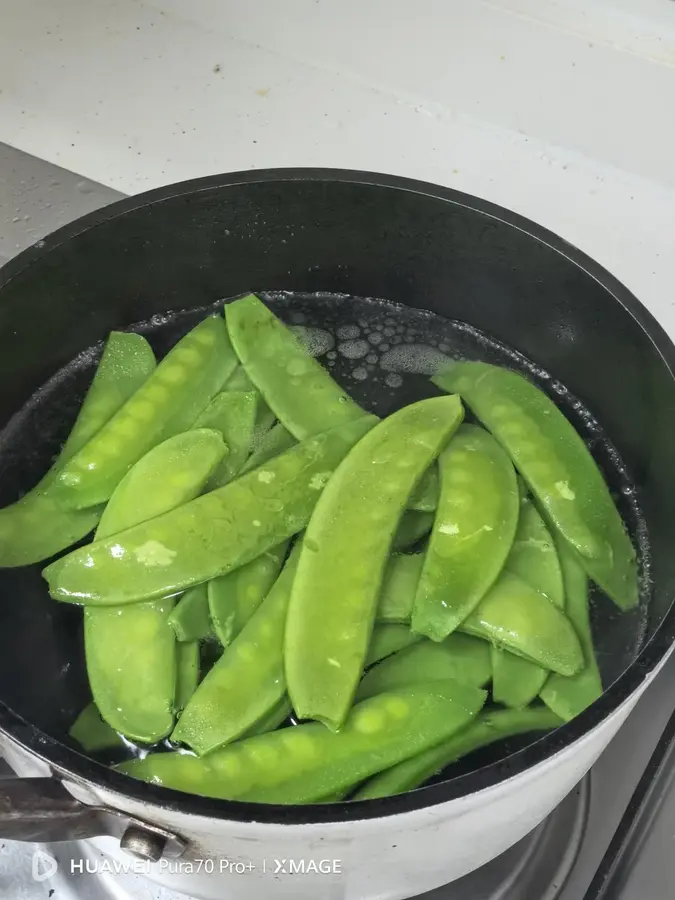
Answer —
81 768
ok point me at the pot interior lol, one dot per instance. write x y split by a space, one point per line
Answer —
321 242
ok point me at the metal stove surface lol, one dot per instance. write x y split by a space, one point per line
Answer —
556 862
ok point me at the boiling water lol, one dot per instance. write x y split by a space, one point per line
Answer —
383 355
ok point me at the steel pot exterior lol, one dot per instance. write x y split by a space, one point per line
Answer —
389 858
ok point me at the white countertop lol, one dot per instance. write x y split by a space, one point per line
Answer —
559 109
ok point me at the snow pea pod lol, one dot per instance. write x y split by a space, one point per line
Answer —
306 763
568 697
214 534
273 719
302 394
190 617
37 527
188 376
425 496
399 586
265 418
515 616
127 362
131 663
131 651
460 657
388 638
412 528
92 733
534 559
187 672
247 681
473 531
489 727
234 598
233 414
334 597
170 474
558 468
276 441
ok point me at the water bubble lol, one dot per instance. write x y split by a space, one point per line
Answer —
353 349
348 332
316 341
393 380
375 338
371 358
360 374
420 359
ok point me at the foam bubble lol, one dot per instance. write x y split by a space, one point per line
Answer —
316 341
353 349
348 332
419 359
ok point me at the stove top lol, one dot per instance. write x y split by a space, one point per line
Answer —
566 858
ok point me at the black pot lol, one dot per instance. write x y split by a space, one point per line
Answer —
305 230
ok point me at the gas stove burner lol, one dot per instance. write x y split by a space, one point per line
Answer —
538 867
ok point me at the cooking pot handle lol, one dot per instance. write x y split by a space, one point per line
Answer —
41 809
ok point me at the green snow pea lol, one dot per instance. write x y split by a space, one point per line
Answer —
423 499
187 672
388 638
167 476
425 496
412 528
334 597
309 762
92 733
214 534
473 531
558 468
265 418
127 362
131 663
276 441
131 651
190 617
167 403
398 587
247 681
534 559
239 381
37 527
302 394
489 727
568 697
273 719
233 414
460 657
515 616
233 598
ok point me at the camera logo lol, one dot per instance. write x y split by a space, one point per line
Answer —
44 866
